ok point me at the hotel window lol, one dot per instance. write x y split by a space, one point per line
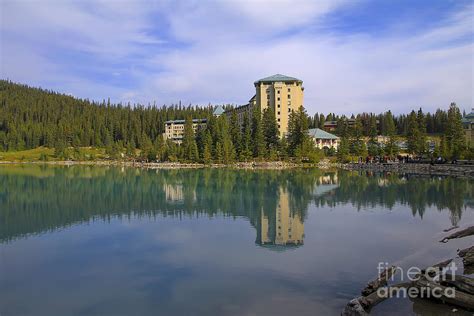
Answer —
278 120
278 112
278 92
278 99
289 96
278 125
289 89
289 102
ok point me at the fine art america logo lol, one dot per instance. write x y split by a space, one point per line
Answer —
416 282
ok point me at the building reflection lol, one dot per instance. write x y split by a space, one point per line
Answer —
178 193
282 229
173 193
275 203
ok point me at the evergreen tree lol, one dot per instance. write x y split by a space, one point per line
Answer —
236 134
299 143
189 146
421 141
343 150
443 148
225 150
413 133
60 149
159 147
246 148
257 134
373 148
270 133
172 151
454 133
391 148
147 152
357 144
207 148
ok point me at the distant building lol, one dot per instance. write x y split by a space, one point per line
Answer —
281 93
218 111
243 110
468 124
331 126
174 129
323 139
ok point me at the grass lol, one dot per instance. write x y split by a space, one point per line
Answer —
27 155
44 153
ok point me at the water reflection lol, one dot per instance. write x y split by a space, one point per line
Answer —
35 199
210 242
282 227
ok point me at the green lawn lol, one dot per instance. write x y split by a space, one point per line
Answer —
43 153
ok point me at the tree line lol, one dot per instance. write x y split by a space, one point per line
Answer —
353 139
435 123
32 117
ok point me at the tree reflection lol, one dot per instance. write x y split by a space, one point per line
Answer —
35 199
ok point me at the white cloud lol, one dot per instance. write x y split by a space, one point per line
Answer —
212 51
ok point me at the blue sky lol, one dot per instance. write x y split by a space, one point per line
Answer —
353 56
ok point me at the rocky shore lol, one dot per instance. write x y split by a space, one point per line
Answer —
273 165
466 171
414 168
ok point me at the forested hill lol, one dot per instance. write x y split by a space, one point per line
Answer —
32 117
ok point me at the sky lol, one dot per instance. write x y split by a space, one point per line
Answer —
352 55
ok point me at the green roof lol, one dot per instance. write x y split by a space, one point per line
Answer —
279 78
184 121
469 117
319 133
219 110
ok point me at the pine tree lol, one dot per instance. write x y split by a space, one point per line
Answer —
454 133
357 145
373 148
189 146
391 148
299 144
246 148
225 150
413 133
60 149
236 134
443 148
343 150
257 134
207 148
147 152
171 153
421 141
159 147
270 133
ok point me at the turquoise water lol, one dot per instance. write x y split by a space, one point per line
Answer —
121 241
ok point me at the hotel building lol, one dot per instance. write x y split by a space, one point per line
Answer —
174 129
281 93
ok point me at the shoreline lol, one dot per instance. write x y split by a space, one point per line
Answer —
271 165
465 171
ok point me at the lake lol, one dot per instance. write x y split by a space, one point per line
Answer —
84 240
